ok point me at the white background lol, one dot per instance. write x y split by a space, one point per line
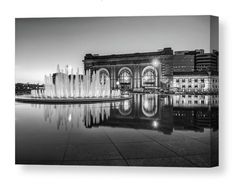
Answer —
11 173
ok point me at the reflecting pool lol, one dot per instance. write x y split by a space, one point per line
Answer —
147 130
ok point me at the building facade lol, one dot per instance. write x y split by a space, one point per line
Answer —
195 82
207 62
139 71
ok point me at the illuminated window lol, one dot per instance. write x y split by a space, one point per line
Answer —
125 77
149 78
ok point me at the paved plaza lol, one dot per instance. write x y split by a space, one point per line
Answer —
116 147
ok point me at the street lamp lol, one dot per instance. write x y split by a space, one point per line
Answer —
156 63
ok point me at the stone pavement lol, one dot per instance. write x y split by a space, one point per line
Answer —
116 147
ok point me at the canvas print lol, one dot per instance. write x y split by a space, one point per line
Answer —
117 91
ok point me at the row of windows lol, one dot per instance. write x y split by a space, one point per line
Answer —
190 80
215 86
189 86
191 102
214 80
195 96
215 102
183 66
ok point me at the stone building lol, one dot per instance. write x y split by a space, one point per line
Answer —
196 81
137 71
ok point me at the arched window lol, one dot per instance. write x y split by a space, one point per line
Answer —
103 75
125 77
149 78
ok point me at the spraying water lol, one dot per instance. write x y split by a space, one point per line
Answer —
65 85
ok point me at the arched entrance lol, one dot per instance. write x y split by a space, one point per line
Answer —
149 77
125 78
103 75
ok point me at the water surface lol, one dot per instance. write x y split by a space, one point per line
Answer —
148 130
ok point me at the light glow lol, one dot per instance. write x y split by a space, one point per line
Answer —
155 124
69 118
155 62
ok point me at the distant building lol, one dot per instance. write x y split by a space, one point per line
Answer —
25 88
207 62
190 52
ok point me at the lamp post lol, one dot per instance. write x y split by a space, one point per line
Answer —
156 63
117 84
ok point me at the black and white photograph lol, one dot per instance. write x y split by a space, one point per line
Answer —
117 91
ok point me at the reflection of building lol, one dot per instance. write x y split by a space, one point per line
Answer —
166 113
195 118
150 69
195 100
152 112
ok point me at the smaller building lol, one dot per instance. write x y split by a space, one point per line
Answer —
195 82
207 62
190 52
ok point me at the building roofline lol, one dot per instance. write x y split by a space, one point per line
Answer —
164 51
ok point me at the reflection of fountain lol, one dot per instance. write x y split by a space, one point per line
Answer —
127 114
66 85
68 115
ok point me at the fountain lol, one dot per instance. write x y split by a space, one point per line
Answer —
63 87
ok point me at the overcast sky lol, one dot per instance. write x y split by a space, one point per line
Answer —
43 43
